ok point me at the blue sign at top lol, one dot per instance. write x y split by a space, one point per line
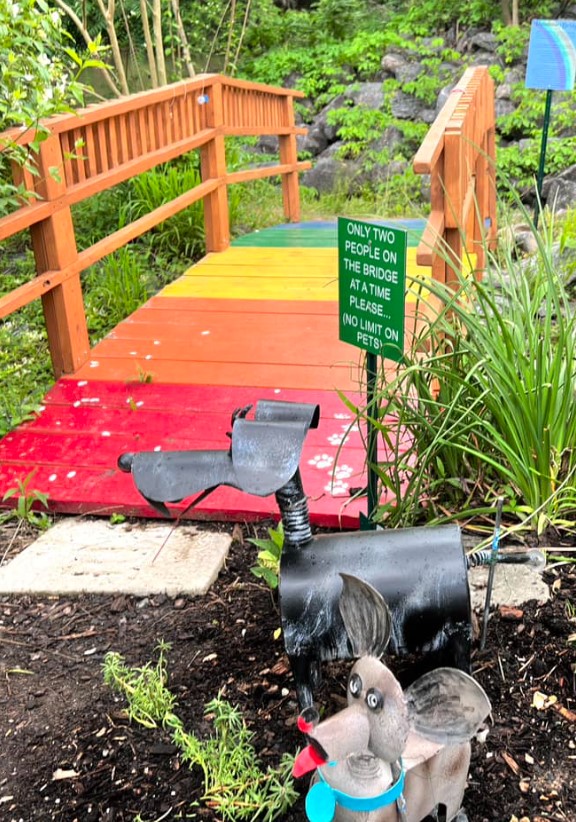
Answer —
552 55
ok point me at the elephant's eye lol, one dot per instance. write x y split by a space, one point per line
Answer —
355 685
375 699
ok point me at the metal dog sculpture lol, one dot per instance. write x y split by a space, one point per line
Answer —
391 755
421 572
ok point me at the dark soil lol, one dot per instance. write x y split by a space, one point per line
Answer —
58 719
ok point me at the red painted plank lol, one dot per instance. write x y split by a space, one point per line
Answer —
200 398
74 443
106 491
111 432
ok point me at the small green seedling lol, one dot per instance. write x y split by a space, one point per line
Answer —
24 509
268 567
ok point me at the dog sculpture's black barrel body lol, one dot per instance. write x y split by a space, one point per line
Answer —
420 572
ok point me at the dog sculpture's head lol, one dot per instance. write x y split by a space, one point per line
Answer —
383 724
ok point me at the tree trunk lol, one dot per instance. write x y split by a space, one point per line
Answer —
85 34
159 41
515 13
183 38
109 14
149 44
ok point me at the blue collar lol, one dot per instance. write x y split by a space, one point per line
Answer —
322 799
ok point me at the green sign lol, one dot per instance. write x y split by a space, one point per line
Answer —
372 285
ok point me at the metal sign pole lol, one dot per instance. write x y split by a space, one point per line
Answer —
540 178
371 374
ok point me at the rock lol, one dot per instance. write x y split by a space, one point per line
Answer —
406 107
391 139
328 174
483 41
409 72
559 190
267 144
376 174
504 107
370 95
392 63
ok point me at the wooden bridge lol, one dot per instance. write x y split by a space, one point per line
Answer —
254 319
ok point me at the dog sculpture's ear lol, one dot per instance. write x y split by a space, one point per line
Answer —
447 706
366 617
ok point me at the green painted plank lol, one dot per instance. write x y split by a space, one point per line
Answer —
314 235
270 238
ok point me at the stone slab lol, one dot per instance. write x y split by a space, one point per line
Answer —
79 556
513 585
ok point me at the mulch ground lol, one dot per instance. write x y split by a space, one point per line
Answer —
69 753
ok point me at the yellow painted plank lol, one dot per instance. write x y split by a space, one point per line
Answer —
259 277
253 288
265 256
317 270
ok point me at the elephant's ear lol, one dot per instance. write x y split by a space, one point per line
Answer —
366 617
447 706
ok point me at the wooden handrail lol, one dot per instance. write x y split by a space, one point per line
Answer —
104 144
459 155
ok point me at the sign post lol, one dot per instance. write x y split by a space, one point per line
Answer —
371 288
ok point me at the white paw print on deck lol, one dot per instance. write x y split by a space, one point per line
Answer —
337 486
321 461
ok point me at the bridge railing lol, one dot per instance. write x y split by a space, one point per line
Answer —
106 144
459 155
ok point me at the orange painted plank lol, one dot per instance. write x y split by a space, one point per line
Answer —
93 492
262 375
255 287
208 304
241 337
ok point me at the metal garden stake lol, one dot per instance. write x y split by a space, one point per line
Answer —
492 570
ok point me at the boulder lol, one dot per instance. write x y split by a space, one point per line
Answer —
406 106
329 173
559 190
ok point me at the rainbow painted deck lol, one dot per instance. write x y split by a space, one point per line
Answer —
259 320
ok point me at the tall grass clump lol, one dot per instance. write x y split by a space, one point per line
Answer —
182 234
115 288
483 404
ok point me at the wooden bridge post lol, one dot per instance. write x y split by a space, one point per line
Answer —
289 154
213 167
54 245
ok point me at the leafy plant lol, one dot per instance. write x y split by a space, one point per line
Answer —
150 703
235 786
512 41
357 127
26 499
484 400
117 287
268 567
39 76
